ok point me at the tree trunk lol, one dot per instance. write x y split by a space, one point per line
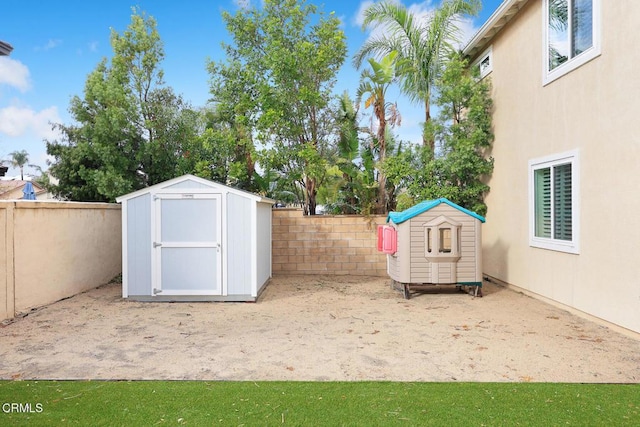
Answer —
381 208
310 196
427 119
251 166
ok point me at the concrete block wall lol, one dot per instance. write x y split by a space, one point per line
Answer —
326 244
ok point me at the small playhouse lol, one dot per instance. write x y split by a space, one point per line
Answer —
436 242
190 239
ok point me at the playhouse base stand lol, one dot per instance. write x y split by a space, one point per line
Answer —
406 288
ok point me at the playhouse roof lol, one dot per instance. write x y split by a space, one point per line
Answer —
400 217
207 183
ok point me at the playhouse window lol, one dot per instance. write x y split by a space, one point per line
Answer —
442 240
445 240
554 190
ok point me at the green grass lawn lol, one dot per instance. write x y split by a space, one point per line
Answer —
316 403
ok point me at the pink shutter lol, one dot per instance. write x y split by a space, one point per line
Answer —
389 240
380 237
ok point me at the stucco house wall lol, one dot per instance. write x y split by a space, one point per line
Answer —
591 111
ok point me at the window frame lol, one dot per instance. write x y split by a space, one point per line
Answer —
571 64
487 54
569 246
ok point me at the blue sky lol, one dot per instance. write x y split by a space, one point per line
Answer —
58 43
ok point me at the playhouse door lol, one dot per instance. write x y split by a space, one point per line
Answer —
187 252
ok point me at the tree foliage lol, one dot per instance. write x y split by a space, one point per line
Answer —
374 83
422 44
232 123
18 160
354 188
463 136
294 51
128 127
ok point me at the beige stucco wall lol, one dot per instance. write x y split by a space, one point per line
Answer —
53 250
593 109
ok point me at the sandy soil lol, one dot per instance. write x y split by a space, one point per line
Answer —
321 328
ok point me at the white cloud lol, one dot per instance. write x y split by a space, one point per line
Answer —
467 30
51 44
358 19
18 121
243 4
14 73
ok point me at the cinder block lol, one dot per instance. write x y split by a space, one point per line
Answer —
319 266
366 250
355 259
327 258
279 259
364 236
343 228
294 229
356 243
280 229
334 266
279 244
340 243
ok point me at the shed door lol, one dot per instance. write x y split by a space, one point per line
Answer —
186 250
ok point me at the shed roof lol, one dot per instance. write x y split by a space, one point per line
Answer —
400 217
501 17
213 185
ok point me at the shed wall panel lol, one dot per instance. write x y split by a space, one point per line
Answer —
399 264
238 249
264 244
139 241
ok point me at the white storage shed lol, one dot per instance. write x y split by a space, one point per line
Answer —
435 242
191 239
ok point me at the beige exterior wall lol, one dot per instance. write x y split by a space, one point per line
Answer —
593 109
326 245
53 250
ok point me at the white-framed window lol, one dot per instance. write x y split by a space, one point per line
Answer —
554 185
485 62
571 35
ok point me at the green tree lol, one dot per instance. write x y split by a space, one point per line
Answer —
128 127
373 87
422 45
295 52
234 115
462 131
348 145
351 187
18 160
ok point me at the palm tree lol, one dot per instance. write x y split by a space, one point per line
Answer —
374 83
422 45
18 160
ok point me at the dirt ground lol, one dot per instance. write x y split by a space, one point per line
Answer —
317 329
